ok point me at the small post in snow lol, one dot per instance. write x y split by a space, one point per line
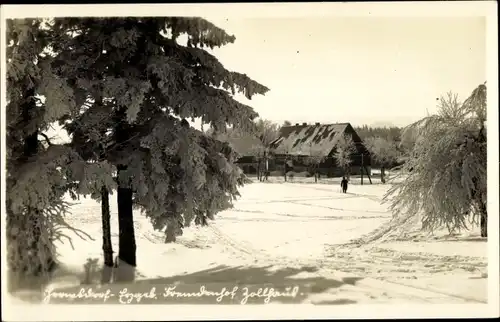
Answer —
362 167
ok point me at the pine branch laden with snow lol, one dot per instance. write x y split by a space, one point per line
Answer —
38 175
445 176
185 80
185 177
407 143
133 71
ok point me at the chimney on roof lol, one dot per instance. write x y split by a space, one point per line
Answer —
317 123
304 124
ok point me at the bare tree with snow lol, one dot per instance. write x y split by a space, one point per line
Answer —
445 175
345 148
384 151
315 158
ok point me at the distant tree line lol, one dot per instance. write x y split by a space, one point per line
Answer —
392 133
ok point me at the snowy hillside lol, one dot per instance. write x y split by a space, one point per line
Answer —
298 234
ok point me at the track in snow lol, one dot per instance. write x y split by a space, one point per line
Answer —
375 264
340 264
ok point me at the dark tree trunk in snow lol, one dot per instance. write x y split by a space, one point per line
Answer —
126 235
259 169
33 215
382 174
175 226
286 168
126 261
201 219
480 203
35 259
170 236
126 227
107 247
482 198
484 220
484 225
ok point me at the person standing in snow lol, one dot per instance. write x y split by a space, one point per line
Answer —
343 184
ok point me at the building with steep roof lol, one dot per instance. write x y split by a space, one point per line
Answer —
300 141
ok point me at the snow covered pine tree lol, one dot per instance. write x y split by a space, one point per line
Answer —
38 171
149 84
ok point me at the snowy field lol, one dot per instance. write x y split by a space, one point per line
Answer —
298 234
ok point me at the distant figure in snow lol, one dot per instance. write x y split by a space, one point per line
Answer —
343 184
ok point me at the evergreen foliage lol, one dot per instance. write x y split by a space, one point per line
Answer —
122 88
39 173
137 85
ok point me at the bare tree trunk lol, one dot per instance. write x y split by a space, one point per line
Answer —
175 227
285 168
480 203
362 167
126 236
106 237
482 198
346 172
368 175
484 220
382 174
170 236
266 168
126 261
259 169
33 252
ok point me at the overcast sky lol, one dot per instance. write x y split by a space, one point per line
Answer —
362 70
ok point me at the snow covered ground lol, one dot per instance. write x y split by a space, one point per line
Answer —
297 234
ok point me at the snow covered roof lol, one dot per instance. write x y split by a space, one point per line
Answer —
246 145
317 139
